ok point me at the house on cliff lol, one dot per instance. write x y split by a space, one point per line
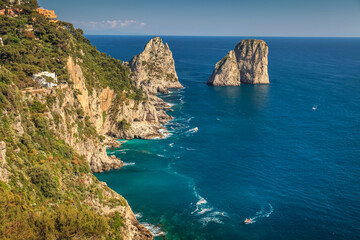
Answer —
46 79
49 14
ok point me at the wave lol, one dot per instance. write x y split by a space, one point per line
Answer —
122 150
160 155
206 212
262 213
206 220
170 104
193 130
156 231
190 149
138 215
129 164
171 144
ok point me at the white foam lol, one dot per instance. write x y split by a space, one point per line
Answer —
190 149
201 201
261 214
170 104
206 220
160 155
192 130
171 144
129 164
155 230
206 211
122 150
138 215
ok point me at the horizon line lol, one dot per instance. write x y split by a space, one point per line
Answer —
174 35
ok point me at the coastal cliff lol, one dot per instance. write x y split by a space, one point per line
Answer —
247 63
154 68
53 138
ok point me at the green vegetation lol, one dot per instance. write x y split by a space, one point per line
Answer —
123 125
33 46
50 191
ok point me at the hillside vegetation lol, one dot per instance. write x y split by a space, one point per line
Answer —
47 190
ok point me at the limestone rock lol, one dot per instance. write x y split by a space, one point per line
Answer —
252 58
4 173
247 63
226 72
154 68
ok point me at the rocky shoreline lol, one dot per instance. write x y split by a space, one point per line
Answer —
105 117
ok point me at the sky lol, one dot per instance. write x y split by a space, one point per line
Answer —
288 18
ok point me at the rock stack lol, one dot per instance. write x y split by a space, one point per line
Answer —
154 68
247 63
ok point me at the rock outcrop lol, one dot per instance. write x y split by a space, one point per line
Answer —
154 68
226 72
247 63
88 119
4 173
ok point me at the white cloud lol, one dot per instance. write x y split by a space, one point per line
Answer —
110 24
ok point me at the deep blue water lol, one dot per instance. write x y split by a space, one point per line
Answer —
260 151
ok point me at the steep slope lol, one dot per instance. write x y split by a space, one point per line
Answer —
252 58
247 63
226 72
154 68
51 139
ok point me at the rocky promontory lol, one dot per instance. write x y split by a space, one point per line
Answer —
247 63
154 68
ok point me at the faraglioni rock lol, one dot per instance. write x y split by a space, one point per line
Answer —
247 63
154 68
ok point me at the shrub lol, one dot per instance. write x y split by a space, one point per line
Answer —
42 178
123 125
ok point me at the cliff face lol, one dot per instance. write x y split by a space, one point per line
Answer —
247 63
154 68
226 72
53 139
4 173
76 116
252 58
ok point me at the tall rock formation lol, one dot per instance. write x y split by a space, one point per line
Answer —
154 68
247 63
226 72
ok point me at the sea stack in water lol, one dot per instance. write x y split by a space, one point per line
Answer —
154 68
247 63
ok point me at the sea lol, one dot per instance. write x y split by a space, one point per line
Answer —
285 155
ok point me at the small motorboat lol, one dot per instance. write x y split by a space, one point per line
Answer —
248 221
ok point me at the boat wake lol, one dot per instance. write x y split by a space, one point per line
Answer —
206 212
261 214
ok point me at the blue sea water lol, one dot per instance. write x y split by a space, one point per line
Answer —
285 154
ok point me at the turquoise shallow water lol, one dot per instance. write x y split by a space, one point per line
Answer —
251 151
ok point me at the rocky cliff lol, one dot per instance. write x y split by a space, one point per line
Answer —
226 72
53 139
4 173
154 68
247 63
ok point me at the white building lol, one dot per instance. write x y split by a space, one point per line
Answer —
44 80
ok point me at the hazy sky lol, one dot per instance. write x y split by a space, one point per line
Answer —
212 17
